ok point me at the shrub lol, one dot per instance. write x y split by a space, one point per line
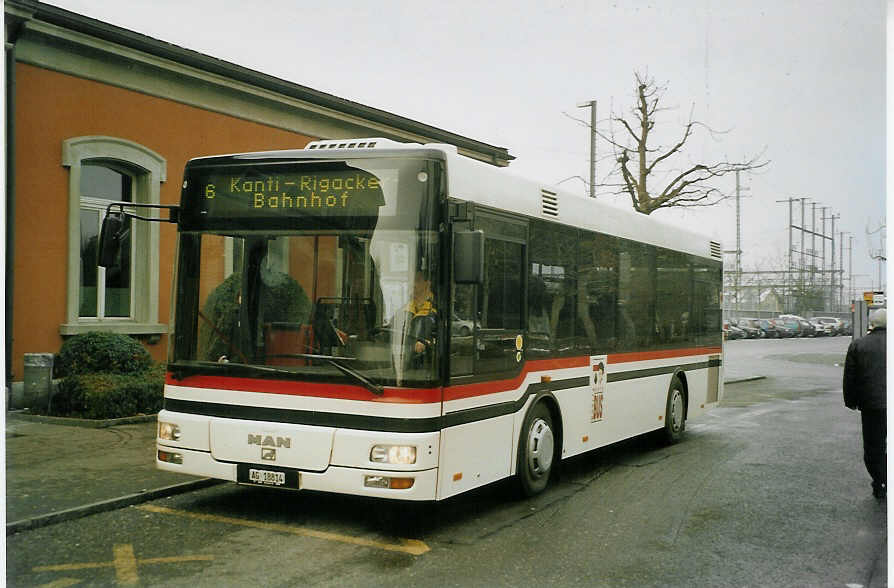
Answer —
108 396
102 353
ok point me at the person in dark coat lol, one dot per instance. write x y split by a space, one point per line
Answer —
865 390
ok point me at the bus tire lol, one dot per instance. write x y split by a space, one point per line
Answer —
536 450
675 412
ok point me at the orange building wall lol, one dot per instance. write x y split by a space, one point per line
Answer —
52 107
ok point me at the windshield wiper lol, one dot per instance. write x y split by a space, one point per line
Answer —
369 384
331 359
259 368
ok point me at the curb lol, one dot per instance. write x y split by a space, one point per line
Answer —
106 505
86 423
745 379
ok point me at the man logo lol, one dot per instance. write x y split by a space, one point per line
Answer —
268 454
269 441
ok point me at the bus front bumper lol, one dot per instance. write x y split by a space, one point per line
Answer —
337 479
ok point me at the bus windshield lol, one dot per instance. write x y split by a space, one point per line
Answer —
288 283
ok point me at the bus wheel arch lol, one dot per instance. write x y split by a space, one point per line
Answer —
676 408
539 446
681 375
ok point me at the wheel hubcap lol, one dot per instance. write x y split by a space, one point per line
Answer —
677 410
540 448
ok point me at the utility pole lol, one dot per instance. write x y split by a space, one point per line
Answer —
592 106
841 300
787 279
850 268
813 245
822 278
823 257
880 255
803 225
828 287
739 243
832 266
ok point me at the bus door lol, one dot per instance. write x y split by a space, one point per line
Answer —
486 352
487 319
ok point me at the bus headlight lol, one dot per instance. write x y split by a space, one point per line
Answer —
168 431
400 454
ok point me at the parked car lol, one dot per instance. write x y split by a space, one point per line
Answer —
461 327
847 327
807 328
788 327
732 332
792 316
751 327
830 320
769 328
822 329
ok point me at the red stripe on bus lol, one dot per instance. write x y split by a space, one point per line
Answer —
484 388
538 365
662 354
420 395
314 389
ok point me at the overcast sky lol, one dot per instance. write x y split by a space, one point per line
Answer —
801 82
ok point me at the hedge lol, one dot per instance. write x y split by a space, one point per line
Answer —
109 396
102 353
105 376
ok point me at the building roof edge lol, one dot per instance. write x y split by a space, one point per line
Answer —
108 32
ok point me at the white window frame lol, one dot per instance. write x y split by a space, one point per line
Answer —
148 170
98 206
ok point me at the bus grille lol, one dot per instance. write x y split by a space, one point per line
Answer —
716 250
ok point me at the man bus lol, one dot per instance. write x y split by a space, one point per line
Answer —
293 363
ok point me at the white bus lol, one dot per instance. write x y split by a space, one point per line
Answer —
396 320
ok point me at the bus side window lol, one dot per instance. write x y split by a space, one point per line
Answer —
500 307
553 290
598 261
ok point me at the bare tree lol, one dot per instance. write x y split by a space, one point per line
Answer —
641 165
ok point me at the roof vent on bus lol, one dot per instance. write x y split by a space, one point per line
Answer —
549 203
716 250
371 143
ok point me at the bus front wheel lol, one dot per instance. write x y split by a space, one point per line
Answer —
536 450
675 413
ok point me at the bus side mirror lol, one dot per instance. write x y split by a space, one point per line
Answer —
468 257
110 239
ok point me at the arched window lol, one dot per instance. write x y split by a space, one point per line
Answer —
124 298
104 292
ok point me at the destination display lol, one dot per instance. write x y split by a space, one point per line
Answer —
350 192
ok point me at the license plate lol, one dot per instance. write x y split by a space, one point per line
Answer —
267 477
280 477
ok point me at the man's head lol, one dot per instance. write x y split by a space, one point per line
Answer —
421 286
878 319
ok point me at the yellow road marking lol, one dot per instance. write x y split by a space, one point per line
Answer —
176 559
125 565
111 564
124 562
411 546
73 567
61 583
